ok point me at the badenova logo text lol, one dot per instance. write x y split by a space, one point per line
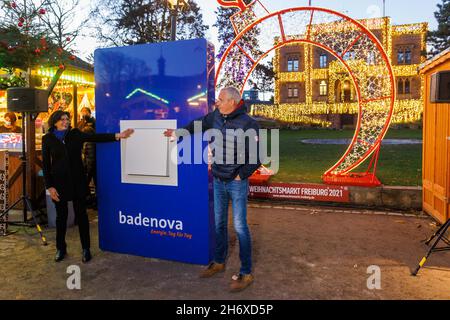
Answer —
150 222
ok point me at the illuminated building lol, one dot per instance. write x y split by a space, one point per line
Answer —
315 86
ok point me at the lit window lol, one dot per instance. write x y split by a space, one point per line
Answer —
323 88
292 92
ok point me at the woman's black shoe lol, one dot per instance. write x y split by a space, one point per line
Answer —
60 255
86 255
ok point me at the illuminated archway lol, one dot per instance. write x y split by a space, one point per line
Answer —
349 41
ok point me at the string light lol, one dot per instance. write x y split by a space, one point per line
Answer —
72 77
405 111
154 96
198 96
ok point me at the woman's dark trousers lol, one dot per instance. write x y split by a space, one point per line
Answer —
79 207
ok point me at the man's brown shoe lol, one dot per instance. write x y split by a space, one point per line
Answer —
212 269
240 281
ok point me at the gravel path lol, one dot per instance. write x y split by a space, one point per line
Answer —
300 252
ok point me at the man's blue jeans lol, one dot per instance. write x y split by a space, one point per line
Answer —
237 191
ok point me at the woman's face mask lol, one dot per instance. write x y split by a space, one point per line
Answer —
8 123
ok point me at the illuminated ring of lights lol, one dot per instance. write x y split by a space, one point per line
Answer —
348 161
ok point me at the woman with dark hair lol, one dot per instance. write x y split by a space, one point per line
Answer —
64 175
10 124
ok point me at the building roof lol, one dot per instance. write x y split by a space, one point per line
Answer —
81 64
436 60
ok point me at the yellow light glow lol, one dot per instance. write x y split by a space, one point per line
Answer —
72 77
404 110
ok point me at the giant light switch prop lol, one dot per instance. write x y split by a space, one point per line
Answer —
142 164
149 205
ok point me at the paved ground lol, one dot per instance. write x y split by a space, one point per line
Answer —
299 253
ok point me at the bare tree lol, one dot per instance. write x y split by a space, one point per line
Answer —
127 22
62 23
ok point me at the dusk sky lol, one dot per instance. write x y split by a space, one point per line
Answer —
401 12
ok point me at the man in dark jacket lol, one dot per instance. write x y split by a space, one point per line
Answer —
231 179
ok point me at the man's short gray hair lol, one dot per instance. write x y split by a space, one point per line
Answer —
233 93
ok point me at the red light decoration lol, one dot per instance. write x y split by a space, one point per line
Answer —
233 4
313 26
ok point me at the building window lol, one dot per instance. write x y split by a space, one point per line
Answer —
407 86
400 86
408 55
323 88
349 55
292 64
371 60
404 86
293 92
404 56
323 61
400 57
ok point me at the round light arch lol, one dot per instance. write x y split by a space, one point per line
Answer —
349 41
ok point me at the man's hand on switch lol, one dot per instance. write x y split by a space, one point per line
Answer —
170 133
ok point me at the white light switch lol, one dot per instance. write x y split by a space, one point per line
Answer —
147 156
147 153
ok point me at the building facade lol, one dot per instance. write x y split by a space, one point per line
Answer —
314 84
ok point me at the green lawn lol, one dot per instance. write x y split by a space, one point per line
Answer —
300 162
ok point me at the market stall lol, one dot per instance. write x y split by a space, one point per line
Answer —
73 91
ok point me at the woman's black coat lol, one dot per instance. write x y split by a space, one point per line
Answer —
63 167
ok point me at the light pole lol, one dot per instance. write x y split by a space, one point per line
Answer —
174 5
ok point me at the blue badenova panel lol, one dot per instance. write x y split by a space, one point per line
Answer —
173 80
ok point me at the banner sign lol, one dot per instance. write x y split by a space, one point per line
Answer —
10 138
3 191
311 192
